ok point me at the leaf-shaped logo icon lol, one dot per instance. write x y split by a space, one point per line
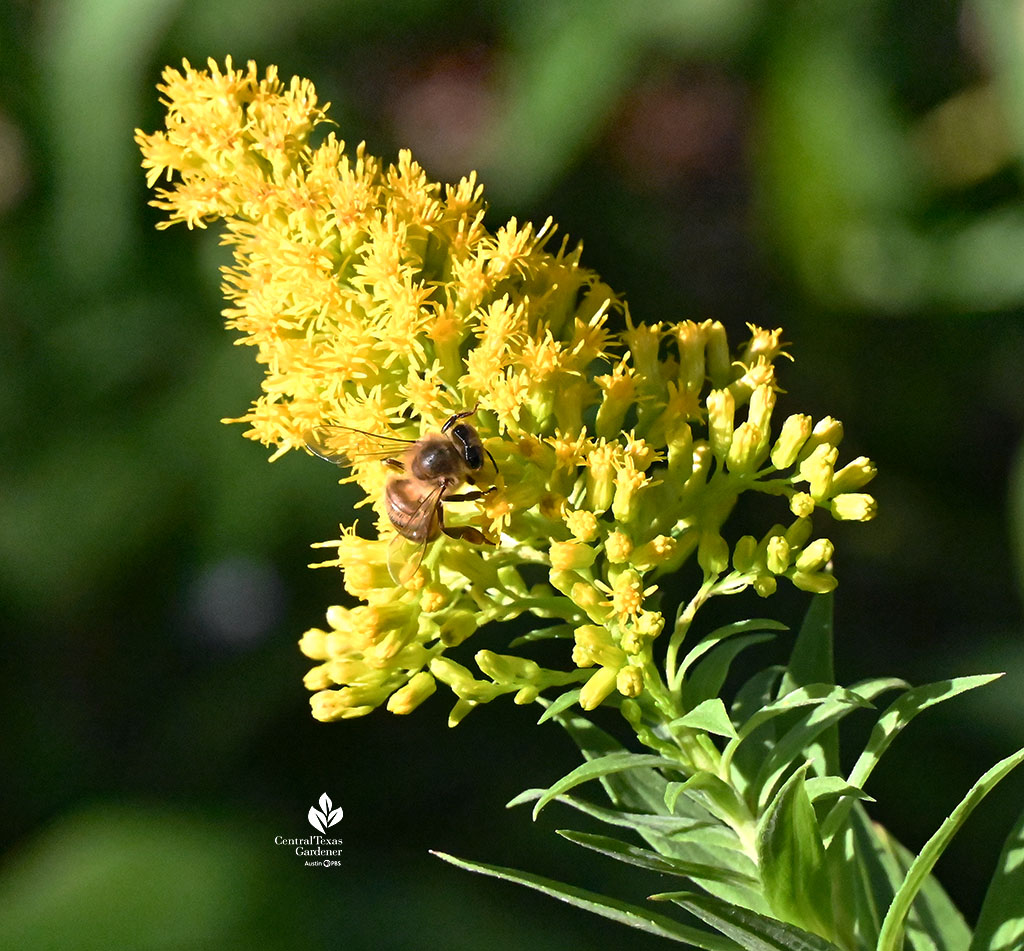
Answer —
326 816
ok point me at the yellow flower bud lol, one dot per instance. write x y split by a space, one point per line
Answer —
765 585
854 507
816 583
628 483
795 431
618 546
456 627
680 453
759 412
712 553
593 603
342 704
582 524
314 644
854 475
506 669
801 504
658 551
721 411
570 556
598 687
798 533
719 361
778 555
408 698
745 449
318 678
744 555
690 337
816 470
815 556
629 681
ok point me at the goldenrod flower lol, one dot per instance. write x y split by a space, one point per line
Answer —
380 304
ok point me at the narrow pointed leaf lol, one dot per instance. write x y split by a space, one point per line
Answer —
804 742
560 703
558 631
751 931
706 678
640 790
634 916
890 938
730 630
645 858
595 768
814 694
1001 923
811 660
889 726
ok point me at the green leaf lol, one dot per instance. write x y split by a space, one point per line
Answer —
632 915
755 694
558 631
826 787
869 866
560 703
790 851
642 790
811 660
799 743
707 677
720 634
596 768
653 861
889 726
706 830
813 694
1001 923
751 931
709 716
891 935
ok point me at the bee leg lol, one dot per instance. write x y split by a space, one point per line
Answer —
467 496
394 464
467 534
452 420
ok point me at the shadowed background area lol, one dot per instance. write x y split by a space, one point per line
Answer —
850 171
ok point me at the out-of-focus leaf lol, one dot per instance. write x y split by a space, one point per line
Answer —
891 934
1001 922
752 931
632 915
888 727
645 858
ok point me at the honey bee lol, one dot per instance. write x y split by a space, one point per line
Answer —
426 476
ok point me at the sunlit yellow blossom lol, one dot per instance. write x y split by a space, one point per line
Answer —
380 304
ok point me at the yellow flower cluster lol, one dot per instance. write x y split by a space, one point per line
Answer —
380 306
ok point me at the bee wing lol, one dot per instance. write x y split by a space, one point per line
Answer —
404 553
319 440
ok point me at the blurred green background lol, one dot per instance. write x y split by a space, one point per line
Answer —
849 170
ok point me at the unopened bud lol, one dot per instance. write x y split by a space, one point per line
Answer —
815 556
778 555
408 698
854 507
795 431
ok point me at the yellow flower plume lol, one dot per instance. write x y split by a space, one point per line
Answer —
380 303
